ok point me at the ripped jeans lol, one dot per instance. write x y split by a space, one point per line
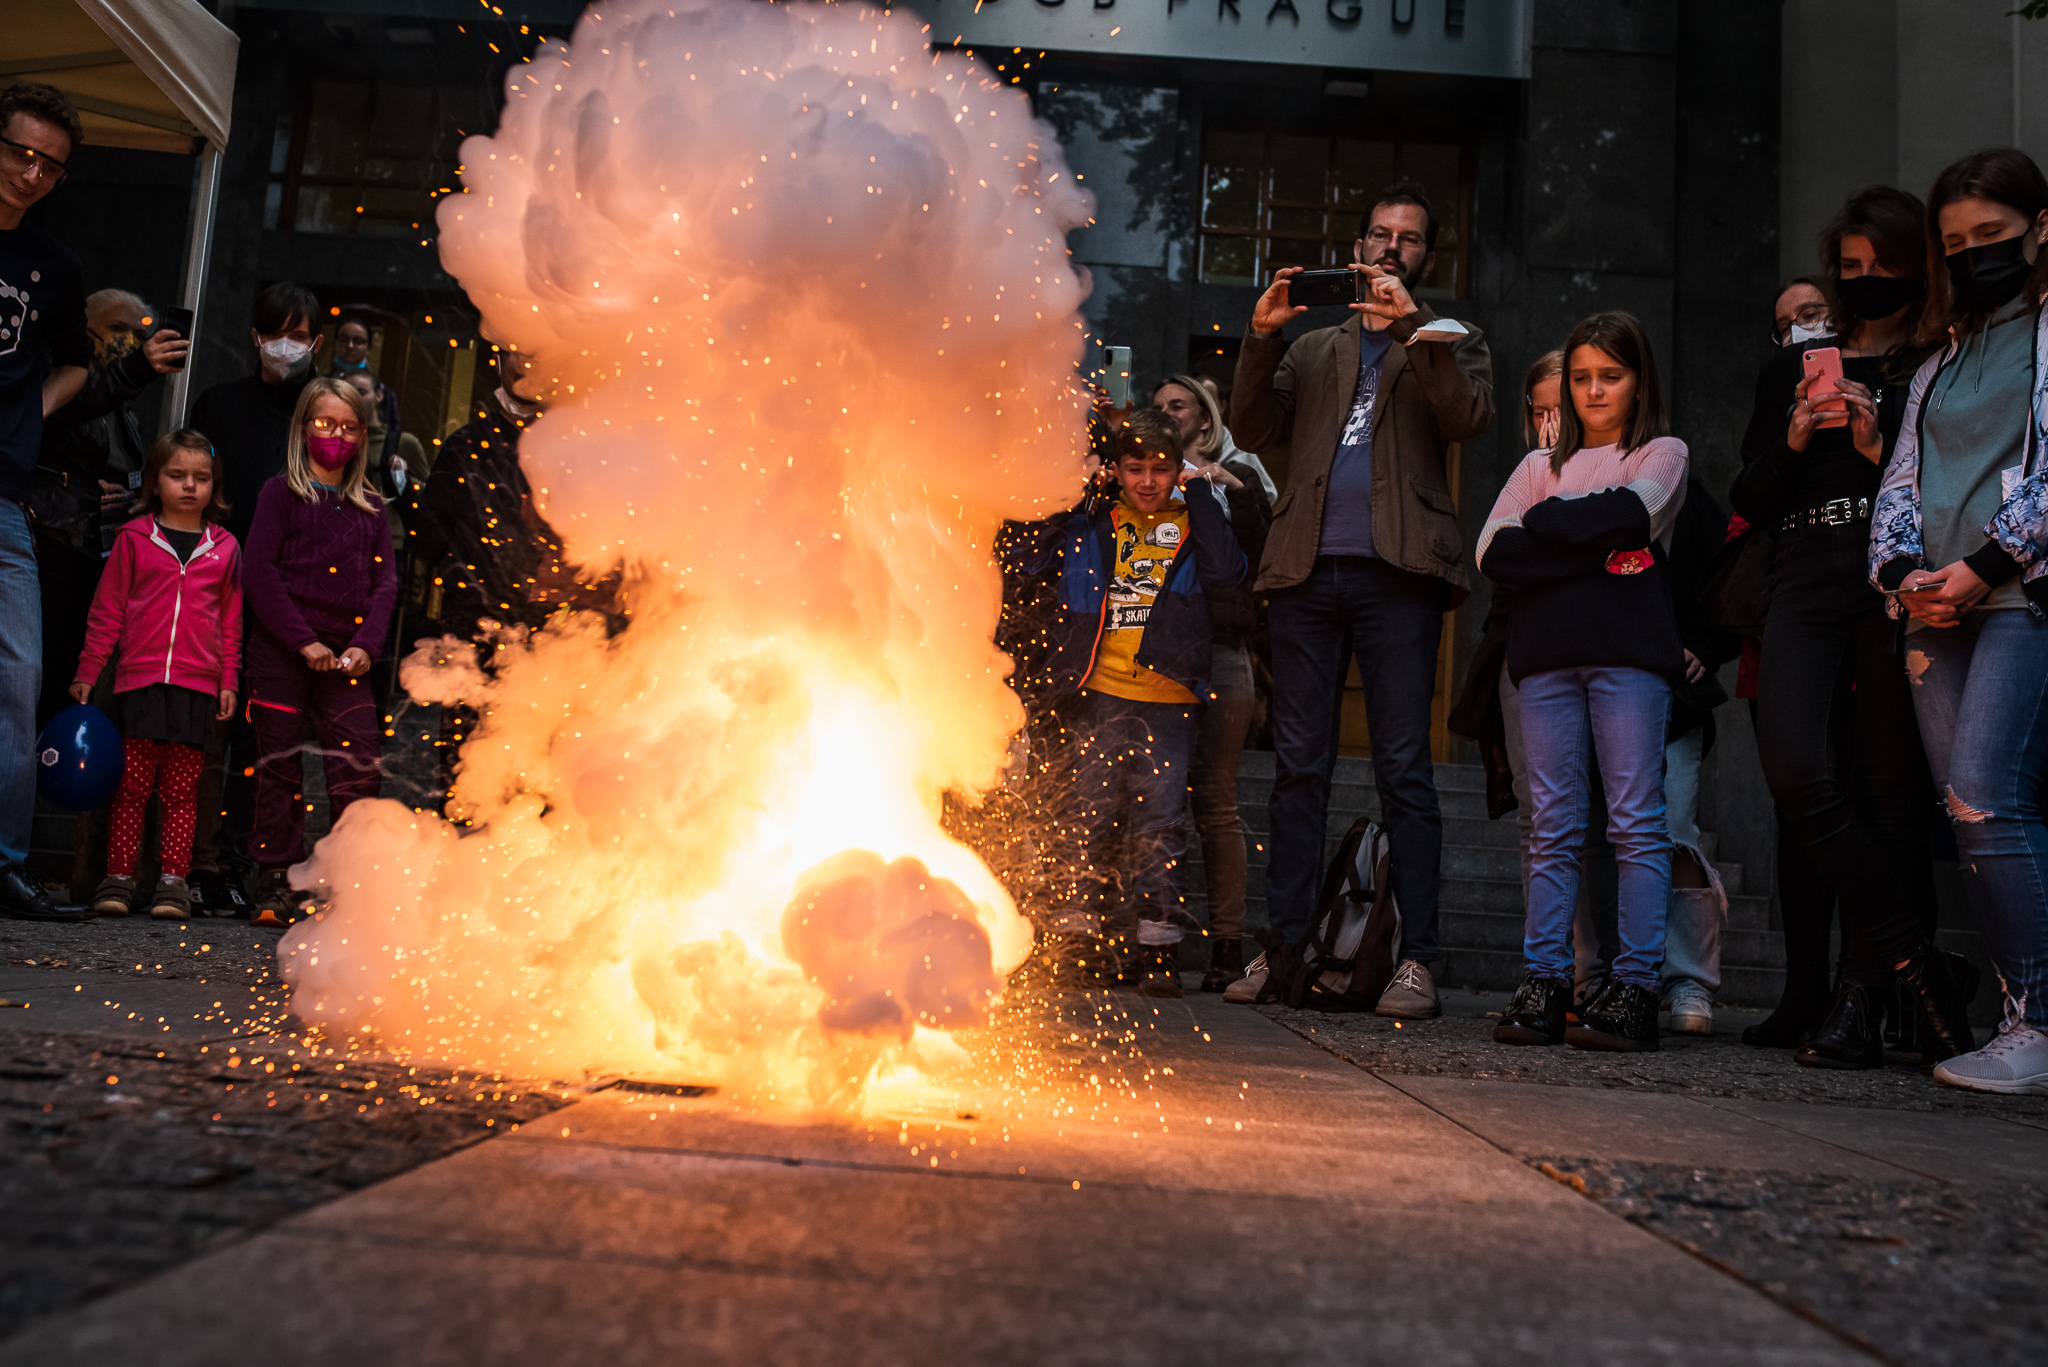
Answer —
1981 693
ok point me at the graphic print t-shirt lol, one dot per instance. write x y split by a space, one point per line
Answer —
42 322
1347 508
1145 547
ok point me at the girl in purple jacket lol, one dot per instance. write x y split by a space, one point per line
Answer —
321 586
171 600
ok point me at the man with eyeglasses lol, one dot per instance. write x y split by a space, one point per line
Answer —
1364 557
44 352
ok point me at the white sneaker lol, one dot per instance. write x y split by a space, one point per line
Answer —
2015 1062
1691 1007
1246 989
1411 996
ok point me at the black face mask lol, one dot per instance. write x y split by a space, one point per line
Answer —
1989 277
1876 296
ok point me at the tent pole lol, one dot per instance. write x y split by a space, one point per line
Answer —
204 210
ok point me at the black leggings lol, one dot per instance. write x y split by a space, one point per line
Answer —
1840 746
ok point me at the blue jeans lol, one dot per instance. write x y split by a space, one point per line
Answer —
1981 693
21 679
1392 619
1566 715
1125 836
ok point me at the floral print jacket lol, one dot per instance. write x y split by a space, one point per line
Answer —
2020 527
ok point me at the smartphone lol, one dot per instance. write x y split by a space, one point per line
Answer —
180 322
1312 288
1824 368
1931 586
1116 375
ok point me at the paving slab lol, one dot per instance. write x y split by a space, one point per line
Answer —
1948 1148
1344 1222
1535 1121
91 1002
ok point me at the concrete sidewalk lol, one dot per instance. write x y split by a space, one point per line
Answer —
1345 1222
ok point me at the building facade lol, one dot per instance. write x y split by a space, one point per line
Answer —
1583 154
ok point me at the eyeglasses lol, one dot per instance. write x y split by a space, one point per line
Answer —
1381 238
1806 316
330 427
19 159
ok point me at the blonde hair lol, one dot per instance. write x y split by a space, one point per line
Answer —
298 464
1547 366
1210 444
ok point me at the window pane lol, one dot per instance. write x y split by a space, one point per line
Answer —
1230 188
1294 251
1299 165
1363 170
334 130
1228 260
1435 165
1298 222
323 209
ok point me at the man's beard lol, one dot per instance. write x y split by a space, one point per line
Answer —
1391 261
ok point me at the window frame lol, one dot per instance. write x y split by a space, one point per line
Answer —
293 178
1336 247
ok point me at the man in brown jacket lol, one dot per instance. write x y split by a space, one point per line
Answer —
1364 556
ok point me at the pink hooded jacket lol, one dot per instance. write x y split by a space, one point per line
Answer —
175 624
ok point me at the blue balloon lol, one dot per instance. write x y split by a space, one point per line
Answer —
79 759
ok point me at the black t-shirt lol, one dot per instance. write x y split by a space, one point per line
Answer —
249 422
184 543
42 323
1777 480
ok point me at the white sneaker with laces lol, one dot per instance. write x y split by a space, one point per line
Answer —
1691 1007
1411 996
2015 1062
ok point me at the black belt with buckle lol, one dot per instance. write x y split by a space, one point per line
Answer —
1833 513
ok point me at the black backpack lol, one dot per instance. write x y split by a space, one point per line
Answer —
1356 945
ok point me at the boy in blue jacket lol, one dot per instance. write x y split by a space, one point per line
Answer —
1127 655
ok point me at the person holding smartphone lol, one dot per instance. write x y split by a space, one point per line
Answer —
1364 559
1960 538
1835 728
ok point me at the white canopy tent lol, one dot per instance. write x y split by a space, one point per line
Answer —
158 75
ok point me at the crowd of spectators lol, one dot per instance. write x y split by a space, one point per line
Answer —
226 591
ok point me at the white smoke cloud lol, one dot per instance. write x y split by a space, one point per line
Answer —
799 294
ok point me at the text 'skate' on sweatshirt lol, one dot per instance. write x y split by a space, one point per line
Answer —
1564 540
1146 544
320 570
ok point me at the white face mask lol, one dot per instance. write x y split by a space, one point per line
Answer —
285 356
1799 334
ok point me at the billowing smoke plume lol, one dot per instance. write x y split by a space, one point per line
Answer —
800 298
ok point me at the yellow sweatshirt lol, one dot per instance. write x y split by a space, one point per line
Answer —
1145 547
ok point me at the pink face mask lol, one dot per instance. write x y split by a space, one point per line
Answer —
330 453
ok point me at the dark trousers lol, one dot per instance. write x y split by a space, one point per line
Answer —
66 581
1392 620
1840 746
1123 835
286 700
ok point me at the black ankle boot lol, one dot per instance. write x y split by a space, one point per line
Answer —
1623 1020
1537 1013
1944 984
1851 1034
1161 972
1226 964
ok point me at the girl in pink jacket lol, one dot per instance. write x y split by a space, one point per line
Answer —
171 600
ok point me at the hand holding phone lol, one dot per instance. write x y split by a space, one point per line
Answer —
171 344
1823 366
1313 288
1116 376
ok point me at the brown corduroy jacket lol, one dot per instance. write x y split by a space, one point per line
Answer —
1431 395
